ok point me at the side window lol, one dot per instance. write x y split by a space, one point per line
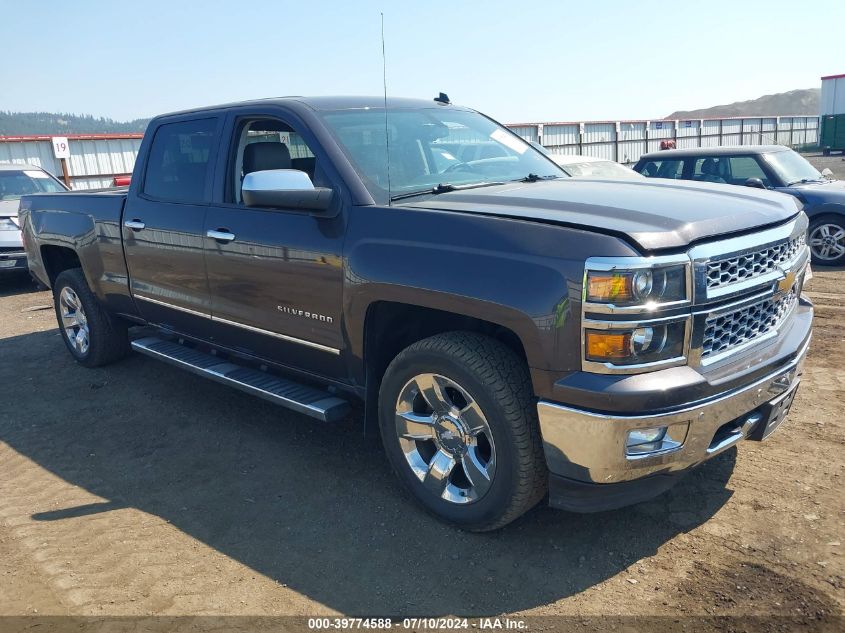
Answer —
745 167
177 168
663 169
270 144
711 169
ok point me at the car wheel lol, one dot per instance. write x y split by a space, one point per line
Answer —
826 237
93 336
458 421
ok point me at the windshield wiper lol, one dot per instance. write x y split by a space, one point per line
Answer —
536 178
443 187
804 181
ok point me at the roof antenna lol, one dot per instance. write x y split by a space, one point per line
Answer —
386 129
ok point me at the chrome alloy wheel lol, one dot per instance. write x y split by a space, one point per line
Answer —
446 439
827 241
74 321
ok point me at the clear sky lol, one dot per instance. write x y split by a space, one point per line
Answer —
517 61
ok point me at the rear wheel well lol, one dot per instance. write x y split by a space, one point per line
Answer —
390 327
58 259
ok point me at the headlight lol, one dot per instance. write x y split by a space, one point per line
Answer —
644 344
642 287
635 313
8 224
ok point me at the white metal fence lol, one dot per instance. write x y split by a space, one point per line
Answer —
95 159
626 141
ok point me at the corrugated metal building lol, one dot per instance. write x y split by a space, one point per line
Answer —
832 107
95 159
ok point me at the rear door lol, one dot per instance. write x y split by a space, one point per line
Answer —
276 276
164 221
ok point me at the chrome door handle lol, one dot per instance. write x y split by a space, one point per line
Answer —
135 225
221 236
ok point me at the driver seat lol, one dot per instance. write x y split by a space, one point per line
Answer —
266 155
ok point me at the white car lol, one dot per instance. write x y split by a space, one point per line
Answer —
15 181
592 167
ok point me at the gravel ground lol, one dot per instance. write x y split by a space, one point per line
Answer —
138 489
835 163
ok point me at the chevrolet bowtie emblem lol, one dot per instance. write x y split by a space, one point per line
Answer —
786 282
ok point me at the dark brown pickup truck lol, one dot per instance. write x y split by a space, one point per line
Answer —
513 333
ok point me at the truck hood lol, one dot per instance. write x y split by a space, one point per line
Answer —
9 208
655 214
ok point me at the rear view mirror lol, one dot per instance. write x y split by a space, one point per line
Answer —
285 189
755 182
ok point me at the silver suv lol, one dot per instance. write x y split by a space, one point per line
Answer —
16 181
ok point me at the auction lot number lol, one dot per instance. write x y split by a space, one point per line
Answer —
408 624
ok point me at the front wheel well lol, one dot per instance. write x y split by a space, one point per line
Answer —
829 214
390 327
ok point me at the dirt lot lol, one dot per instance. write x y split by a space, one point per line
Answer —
836 163
140 489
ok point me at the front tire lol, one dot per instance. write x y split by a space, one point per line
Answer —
826 237
459 424
93 336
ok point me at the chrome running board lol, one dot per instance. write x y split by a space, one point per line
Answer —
300 398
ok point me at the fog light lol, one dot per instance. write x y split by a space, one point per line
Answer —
657 440
642 437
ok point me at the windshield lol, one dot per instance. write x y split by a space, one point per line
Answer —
791 167
600 169
433 146
14 184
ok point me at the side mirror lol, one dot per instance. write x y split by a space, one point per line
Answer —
826 173
755 182
285 189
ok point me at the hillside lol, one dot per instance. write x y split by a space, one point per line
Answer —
783 103
26 123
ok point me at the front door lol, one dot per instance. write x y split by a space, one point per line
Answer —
164 224
275 275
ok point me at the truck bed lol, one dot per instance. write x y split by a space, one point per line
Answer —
85 225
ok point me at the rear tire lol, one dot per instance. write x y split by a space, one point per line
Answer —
458 420
93 336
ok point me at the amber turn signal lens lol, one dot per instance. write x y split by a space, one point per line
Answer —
609 287
607 345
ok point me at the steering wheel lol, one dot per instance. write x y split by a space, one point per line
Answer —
458 166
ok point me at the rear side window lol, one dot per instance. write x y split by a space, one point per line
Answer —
177 169
663 169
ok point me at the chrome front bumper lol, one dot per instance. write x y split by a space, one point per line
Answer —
591 447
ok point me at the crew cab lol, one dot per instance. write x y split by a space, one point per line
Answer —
774 167
514 334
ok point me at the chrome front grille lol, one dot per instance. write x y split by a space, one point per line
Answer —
725 332
725 272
